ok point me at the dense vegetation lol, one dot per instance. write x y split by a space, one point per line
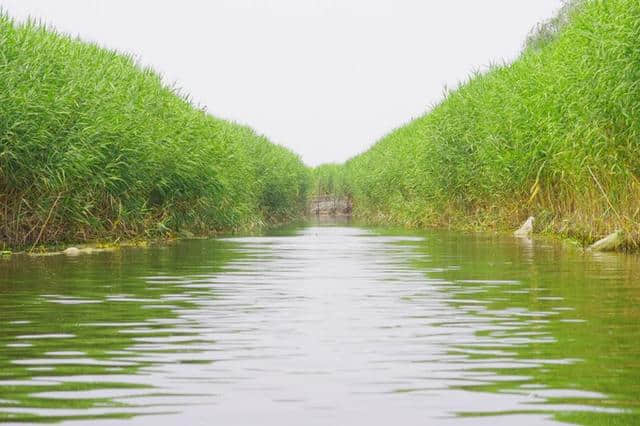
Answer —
554 134
94 146
329 180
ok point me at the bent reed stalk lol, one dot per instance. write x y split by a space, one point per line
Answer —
555 134
94 146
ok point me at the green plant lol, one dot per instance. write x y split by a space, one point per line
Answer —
92 145
553 134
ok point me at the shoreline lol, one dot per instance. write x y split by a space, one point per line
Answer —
112 244
105 245
580 241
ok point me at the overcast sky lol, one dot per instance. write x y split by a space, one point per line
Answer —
326 78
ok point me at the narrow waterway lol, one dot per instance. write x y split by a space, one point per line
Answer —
323 325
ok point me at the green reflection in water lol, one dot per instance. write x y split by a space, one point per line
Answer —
561 325
81 337
71 326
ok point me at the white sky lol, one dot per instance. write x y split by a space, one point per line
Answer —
326 78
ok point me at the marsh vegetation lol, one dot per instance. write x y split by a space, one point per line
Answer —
554 135
92 145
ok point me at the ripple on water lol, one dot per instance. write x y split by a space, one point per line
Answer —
327 325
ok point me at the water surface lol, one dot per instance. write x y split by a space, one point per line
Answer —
323 325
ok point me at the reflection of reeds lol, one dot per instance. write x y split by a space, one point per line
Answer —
582 308
81 315
554 135
93 145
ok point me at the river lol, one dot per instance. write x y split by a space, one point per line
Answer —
323 325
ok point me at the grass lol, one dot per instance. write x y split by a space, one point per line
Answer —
554 134
329 180
92 145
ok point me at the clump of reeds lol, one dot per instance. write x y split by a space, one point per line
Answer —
94 146
329 180
554 134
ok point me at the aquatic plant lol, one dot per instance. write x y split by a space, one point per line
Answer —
93 145
329 179
554 134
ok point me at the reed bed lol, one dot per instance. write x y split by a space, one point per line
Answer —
329 180
94 146
555 135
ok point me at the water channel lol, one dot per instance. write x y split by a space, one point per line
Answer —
323 324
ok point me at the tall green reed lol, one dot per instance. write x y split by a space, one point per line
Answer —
92 145
554 134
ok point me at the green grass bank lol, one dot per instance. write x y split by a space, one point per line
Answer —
94 146
555 135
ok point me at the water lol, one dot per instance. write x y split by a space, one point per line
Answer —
323 325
